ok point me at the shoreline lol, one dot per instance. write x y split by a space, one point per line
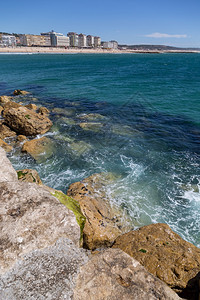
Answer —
49 50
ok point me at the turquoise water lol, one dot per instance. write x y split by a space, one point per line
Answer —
149 135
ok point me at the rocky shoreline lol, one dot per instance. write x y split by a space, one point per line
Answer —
75 245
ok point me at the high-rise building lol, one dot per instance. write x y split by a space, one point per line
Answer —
90 41
97 41
58 39
82 41
73 39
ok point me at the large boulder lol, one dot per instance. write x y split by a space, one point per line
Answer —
39 149
164 254
48 273
103 222
20 92
25 121
31 218
115 275
7 172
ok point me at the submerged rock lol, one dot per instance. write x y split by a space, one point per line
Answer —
5 146
164 254
112 274
124 130
79 147
20 92
29 175
25 121
64 111
48 273
96 127
39 149
103 222
92 117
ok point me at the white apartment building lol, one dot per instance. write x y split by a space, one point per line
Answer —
90 41
73 39
110 45
8 40
97 41
82 40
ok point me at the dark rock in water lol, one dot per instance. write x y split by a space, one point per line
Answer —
29 175
103 222
112 274
25 121
39 149
48 273
164 254
20 92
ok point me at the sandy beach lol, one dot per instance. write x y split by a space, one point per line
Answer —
53 50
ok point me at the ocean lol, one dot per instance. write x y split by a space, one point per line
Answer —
134 115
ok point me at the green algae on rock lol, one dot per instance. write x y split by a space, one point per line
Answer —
74 206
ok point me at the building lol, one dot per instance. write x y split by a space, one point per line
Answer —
34 40
97 42
73 39
110 45
82 40
90 41
8 40
58 39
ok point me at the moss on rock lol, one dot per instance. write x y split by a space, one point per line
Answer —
74 206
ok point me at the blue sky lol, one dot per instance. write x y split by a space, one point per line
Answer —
169 22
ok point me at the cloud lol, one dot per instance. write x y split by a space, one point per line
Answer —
165 35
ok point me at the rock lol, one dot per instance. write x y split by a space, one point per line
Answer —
5 132
43 111
29 175
1 109
31 218
48 273
9 105
5 146
164 254
103 222
79 147
92 117
96 127
5 99
21 138
7 172
25 121
124 130
31 106
39 149
63 111
112 274
20 92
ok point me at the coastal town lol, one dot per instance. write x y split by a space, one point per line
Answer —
55 39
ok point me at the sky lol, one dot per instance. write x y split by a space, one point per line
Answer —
132 22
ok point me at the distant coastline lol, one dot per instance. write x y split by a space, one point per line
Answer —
89 51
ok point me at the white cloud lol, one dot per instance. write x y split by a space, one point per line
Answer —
165 35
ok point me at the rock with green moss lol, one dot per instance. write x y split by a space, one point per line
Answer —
29 175
74 206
